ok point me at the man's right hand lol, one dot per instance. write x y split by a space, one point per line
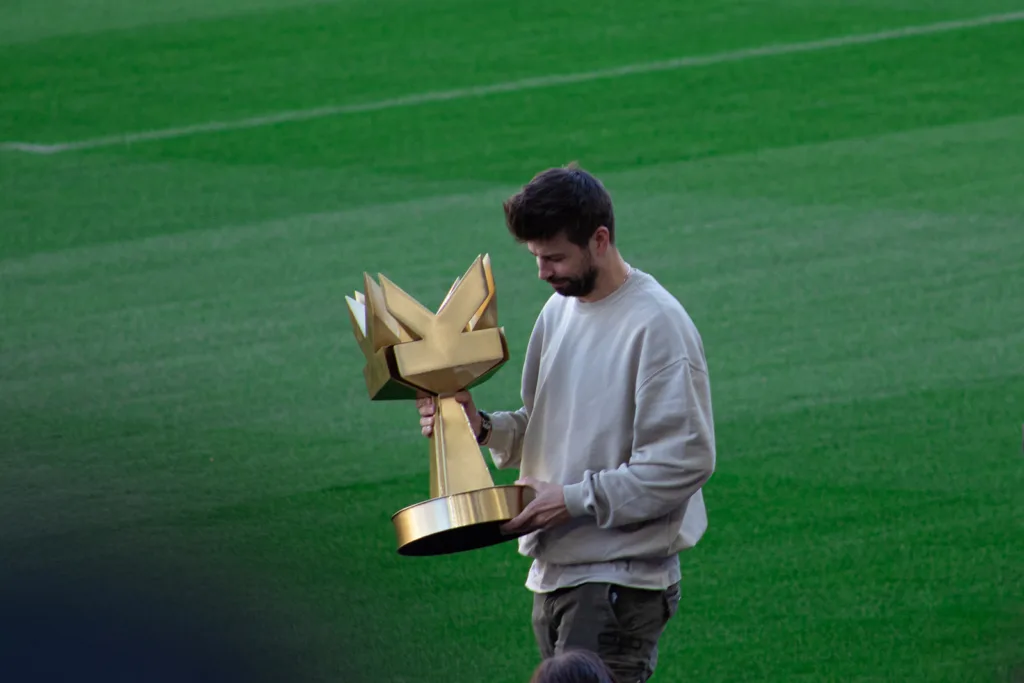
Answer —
425 405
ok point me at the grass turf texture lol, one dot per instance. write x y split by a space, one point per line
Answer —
179 380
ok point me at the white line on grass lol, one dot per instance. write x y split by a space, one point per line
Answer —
513 86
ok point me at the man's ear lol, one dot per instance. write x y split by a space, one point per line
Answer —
601 240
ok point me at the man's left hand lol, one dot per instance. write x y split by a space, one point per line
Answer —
545 511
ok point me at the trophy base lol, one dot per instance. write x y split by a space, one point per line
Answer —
461 522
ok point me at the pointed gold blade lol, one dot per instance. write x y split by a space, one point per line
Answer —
406 310
357 313
486 317
385 330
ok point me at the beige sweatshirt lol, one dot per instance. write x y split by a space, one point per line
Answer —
617 408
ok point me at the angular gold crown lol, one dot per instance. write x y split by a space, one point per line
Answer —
408 348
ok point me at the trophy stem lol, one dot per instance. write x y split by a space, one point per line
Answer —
457 464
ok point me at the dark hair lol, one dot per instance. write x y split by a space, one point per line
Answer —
573 666
566 201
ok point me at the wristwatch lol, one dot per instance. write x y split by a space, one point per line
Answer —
485 427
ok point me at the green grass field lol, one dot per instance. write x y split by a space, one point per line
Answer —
181 391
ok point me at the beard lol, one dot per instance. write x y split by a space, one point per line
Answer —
577 285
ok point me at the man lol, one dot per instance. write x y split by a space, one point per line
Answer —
615 433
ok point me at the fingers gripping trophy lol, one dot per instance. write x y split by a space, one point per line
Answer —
411 352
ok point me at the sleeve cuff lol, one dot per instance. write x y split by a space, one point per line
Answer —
574 499
502 429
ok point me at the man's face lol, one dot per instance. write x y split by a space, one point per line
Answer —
569 269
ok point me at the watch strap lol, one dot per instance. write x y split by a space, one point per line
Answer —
485 427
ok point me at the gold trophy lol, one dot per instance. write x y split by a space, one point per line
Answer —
411 351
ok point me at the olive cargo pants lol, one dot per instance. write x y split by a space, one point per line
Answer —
622 625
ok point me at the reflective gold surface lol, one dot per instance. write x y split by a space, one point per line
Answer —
409 349
456 465
465 521
450 351
377 331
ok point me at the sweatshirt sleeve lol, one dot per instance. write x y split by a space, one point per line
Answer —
509 427
673 453
506 440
